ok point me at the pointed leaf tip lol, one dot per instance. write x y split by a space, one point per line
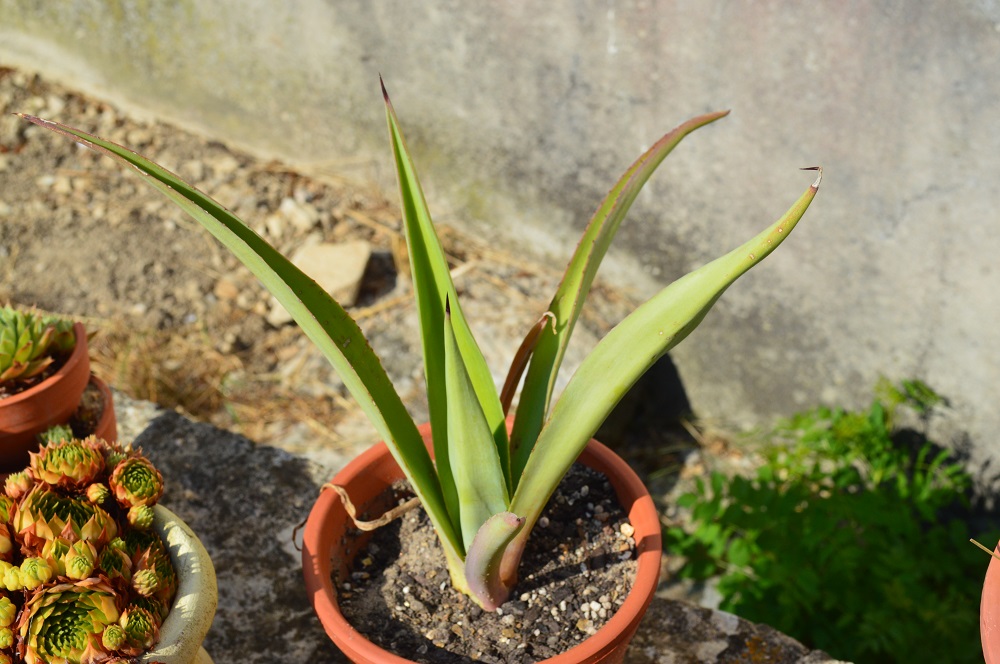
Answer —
819 176
385 93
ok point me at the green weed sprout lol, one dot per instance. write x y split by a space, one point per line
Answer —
485 489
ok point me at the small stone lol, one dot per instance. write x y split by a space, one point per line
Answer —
583 624
138 137
193 170
338 268
223 165
62 185
54 105
627 530
225 289
302 216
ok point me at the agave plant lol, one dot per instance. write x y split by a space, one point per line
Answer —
485 489
78 581
30 342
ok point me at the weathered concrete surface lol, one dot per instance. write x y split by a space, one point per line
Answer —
244 501
522 115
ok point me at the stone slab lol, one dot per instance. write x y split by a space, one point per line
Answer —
245 500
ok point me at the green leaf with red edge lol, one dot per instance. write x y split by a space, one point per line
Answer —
433 287
565 307
479 479
482 565
322 319
626 353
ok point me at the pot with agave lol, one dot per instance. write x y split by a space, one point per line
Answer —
90 565
45 381
482 486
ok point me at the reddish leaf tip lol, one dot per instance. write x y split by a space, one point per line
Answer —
385 93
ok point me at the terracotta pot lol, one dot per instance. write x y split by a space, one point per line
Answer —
191 615
107 425
989 612
29 413
374 470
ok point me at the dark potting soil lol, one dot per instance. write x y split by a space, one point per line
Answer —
577 569
88 413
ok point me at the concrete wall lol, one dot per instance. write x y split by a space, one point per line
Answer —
522 115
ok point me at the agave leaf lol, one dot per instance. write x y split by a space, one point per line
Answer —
432 287
322 319
568 300
482 566
479 479
623 356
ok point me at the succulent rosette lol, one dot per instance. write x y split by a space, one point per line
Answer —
44 515
68 464
142 629
97 581
136 482
80 560
115 564
18 484
149 553
30 341
98 493
34 572
66 622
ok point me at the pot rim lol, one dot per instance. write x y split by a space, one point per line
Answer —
193 609
318 543
107 424
989 611
27 414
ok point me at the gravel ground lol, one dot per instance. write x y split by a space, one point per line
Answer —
179 322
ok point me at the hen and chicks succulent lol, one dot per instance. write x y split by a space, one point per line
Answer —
83 578
29 343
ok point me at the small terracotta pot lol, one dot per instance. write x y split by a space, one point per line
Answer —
373 471
107 425
989 612
29 413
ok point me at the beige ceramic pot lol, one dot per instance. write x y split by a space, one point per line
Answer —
191 615
368 475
